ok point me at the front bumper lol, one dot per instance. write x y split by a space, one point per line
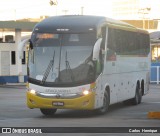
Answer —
80 103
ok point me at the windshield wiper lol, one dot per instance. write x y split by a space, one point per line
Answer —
69 68
50 66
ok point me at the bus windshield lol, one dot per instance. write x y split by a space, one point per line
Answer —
59 59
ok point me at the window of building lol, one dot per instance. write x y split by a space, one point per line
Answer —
13 57
24 58
155 50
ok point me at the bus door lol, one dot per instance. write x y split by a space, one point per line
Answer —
110 65
110 73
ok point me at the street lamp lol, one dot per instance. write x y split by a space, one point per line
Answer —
53 2
65 11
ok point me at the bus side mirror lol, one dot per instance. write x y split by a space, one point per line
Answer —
21 46
30 44
96 49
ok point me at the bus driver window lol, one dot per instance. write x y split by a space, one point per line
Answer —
111 55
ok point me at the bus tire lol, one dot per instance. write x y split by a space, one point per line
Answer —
105 106
48 112
138 96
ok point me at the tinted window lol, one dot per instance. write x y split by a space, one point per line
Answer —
128 42
13 57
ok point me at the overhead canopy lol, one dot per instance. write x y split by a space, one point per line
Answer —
155 35
12 25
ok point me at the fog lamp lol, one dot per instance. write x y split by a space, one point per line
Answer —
33 102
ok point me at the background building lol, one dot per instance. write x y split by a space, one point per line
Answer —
140 13
13 69
125 9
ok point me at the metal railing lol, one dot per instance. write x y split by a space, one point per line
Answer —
155 74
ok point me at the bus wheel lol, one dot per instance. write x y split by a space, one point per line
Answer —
48 112
105 106
138 96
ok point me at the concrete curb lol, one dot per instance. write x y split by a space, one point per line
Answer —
13 85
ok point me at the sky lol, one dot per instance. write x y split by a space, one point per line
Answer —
16 9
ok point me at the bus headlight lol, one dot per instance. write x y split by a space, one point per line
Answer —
86 92
32 91
89 90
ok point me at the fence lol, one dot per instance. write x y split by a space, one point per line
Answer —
155 74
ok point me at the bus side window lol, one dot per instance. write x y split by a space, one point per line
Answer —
111 45
103 34
111 55
102 47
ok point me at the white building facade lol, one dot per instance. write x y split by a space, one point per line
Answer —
12 68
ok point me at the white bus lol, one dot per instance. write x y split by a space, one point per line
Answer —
86 63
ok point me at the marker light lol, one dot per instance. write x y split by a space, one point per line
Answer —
85 92
32 91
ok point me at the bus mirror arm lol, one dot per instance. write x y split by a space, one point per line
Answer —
21 46
96 49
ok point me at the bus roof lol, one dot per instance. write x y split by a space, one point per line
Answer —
76 24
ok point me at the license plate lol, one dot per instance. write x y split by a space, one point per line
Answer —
58 103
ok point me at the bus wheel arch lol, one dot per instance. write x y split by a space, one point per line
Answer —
106 102
107 89
138 94
142 87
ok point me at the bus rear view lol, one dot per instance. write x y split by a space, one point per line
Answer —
66 64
